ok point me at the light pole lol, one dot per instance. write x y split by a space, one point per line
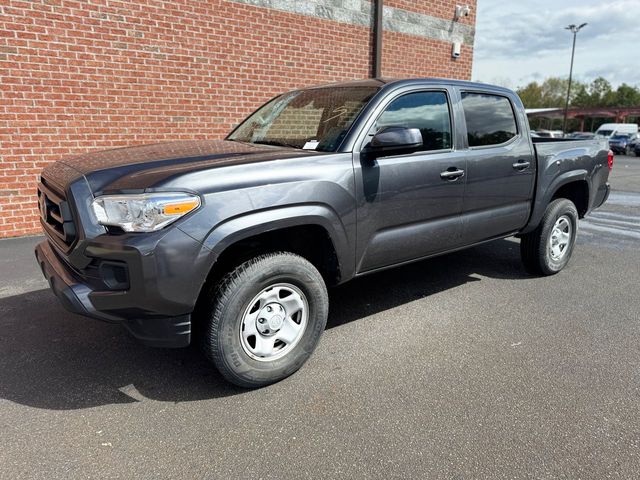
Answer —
574 29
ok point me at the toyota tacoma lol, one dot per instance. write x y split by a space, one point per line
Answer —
234 242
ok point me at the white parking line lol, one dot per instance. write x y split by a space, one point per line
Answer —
586 225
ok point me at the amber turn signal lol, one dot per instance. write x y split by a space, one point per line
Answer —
181 208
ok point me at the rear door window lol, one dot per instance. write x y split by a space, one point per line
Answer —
490 119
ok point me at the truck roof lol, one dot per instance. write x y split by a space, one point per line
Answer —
400 82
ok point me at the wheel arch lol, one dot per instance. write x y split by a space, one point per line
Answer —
572 185
313 231
577 191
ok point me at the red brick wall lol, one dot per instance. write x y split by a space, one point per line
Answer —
423 57
90 74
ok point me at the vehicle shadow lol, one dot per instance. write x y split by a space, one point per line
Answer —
52 359
381 291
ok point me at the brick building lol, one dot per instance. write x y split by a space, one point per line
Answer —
77 75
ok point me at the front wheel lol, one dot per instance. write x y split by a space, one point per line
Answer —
265 318
547 249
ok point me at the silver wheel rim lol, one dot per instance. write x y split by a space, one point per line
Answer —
560 238
274 322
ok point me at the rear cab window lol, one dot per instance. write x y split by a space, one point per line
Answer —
490 119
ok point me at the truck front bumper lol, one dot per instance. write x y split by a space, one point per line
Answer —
79 295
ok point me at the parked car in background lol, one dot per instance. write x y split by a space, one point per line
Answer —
610 129
618 143
631 145
550 133
581 135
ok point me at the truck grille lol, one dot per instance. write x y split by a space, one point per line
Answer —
55 216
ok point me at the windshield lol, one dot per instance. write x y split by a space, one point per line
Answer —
605 133
314 119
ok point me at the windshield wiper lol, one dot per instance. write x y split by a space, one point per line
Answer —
275 143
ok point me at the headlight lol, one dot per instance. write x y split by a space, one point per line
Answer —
144 212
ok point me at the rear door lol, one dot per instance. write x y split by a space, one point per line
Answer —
500 167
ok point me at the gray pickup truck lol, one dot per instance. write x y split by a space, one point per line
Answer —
233 242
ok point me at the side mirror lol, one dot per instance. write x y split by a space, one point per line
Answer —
396 138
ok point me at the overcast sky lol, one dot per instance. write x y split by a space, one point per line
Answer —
518 41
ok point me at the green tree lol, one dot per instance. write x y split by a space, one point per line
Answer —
601 92
552 93
531 95
627 96
581 97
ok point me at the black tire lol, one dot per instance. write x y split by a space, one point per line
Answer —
230 299
534 247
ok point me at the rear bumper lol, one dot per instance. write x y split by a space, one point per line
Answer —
75 294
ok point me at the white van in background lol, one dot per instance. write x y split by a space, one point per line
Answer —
609 129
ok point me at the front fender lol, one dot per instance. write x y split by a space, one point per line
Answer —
254 223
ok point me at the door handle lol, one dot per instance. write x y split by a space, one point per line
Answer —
451 174
522 165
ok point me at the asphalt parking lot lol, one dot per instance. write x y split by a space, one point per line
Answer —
459 367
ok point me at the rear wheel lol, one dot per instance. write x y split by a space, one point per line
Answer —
547 249
265 318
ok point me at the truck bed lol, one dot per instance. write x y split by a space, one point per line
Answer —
561 148
562 160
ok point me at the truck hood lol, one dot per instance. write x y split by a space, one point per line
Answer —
146 166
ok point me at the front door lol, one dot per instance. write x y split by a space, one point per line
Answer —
409 203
